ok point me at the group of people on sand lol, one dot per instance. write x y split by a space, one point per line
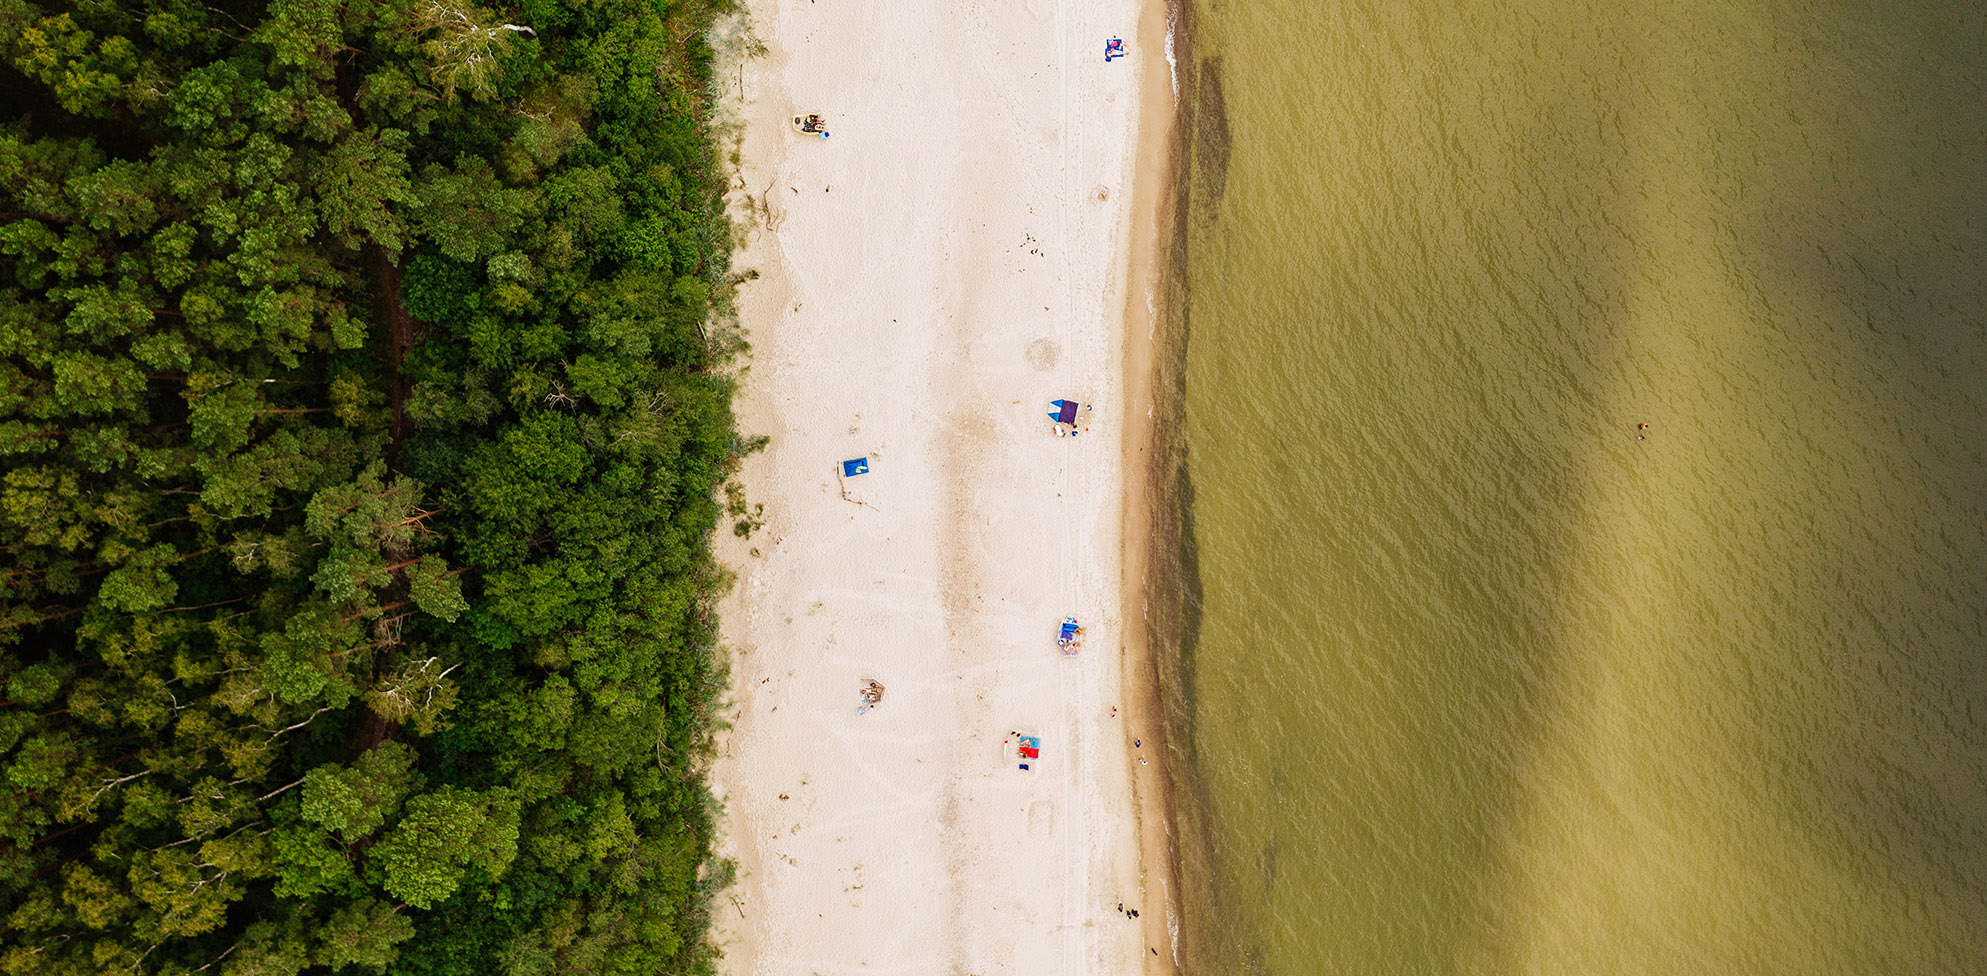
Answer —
870 695
1074 428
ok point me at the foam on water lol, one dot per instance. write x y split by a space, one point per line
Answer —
1172 64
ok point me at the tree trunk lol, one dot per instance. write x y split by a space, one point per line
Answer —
401 329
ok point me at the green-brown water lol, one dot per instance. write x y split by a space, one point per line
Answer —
1483 684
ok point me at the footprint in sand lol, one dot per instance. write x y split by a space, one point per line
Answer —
1043 354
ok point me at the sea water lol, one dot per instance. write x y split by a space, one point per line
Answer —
1482 675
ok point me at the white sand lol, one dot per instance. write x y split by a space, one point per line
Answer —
953 258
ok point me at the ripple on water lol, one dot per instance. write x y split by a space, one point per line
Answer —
1483 683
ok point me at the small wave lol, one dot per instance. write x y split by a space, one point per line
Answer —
1172 65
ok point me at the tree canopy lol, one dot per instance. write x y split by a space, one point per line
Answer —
362 412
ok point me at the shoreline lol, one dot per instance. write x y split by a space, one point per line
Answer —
1152 288
929 573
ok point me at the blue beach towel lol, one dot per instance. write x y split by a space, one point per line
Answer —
855 467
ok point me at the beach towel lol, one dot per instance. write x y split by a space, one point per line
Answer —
855 467
1029 751
1065 412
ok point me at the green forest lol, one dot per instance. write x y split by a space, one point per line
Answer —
364 407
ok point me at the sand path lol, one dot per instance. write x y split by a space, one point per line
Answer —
948 262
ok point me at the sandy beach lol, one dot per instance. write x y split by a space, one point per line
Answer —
974 240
